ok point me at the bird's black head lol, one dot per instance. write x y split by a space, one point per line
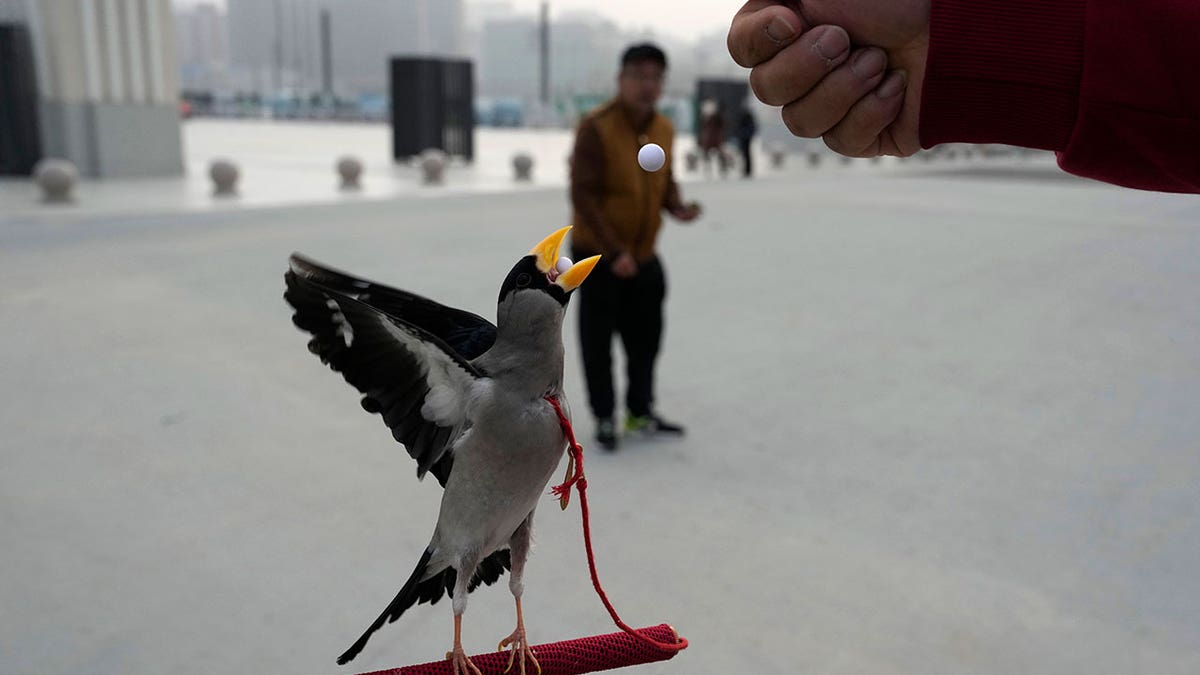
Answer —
543 270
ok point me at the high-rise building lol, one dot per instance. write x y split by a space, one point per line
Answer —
367 33
275 45
202 36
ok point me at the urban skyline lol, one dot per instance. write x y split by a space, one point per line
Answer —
274 46
702 17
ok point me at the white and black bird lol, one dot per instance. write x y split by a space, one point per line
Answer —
467 399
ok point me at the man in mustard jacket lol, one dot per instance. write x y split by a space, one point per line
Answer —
617 212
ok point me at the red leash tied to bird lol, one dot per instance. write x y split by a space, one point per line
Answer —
631 647
577 480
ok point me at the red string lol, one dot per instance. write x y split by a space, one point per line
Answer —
563 492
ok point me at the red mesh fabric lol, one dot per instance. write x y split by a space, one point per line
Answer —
569 657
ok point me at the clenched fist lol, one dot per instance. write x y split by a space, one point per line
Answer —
848 71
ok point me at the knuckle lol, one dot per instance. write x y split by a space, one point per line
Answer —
798 122
763 91
744 44
848 145
737 50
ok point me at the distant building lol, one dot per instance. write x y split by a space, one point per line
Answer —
202 37
275 45
584 54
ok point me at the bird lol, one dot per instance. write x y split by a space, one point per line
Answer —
467 399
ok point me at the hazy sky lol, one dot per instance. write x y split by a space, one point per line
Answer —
681 18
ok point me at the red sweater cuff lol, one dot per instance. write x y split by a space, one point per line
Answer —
1003 71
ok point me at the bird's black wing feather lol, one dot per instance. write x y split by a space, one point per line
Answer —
410 377
468 334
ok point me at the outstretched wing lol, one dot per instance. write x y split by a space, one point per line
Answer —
418 383
468 334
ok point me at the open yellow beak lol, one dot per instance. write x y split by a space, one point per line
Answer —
571 279
547 251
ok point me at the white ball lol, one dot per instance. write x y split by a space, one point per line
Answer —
651 157
564 264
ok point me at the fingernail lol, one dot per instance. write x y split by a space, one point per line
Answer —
893 84
781 31
832 44
868 63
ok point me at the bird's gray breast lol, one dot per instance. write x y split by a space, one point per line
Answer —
502 466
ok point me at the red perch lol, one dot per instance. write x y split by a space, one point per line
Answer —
569 657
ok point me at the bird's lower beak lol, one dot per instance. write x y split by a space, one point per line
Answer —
574 276
547 251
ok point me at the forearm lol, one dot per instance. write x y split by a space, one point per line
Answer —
672 199
1105 83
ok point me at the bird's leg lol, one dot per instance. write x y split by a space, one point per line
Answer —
520 645
519 548
458 658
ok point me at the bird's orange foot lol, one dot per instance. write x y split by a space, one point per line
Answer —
520 646
459 661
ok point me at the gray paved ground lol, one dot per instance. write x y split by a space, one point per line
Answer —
940 422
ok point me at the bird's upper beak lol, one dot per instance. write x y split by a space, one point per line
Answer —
547 261
547 251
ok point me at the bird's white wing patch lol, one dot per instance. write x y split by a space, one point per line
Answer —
449 384
344 329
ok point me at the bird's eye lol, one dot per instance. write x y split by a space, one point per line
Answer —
522 280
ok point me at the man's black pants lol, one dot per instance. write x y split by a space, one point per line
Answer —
632 308
747 159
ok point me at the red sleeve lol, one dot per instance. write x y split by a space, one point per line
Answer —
1111 85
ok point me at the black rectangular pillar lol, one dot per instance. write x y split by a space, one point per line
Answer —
433 106
20 142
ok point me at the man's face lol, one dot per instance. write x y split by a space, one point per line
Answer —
640 85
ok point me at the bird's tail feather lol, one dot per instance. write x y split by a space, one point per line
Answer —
407 597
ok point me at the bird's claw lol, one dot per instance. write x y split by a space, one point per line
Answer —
519 645
460 662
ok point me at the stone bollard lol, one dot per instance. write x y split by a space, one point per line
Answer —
224 174
778 156
56 178
433 166
692 161
351 170
522 163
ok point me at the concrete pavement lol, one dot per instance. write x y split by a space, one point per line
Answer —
940 421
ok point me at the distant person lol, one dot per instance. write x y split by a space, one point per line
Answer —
617 212
1110 86
712 136
747 127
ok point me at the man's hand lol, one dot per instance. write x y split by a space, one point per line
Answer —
624 267
686 212
802 58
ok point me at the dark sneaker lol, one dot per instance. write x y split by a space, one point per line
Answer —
606 434
651 425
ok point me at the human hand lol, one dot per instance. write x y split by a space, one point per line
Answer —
624 267
802 59
686 212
